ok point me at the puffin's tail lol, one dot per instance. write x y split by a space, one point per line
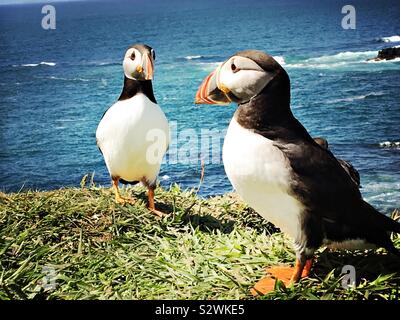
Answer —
393 226
385 223
382 220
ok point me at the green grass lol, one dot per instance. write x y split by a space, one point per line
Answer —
204 249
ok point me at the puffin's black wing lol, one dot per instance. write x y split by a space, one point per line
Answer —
334 208
351 171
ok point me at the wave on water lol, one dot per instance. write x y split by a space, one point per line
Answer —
43 63
395 38
359 97
390 144
335 60
68 79
382 194
344 56
80 63
347 59
194 57
106 63
383 61
200 58
51 64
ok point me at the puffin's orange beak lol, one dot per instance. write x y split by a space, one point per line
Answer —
209 93
148 67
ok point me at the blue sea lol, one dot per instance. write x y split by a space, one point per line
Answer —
56 84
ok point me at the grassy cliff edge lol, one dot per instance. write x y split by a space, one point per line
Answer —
76 243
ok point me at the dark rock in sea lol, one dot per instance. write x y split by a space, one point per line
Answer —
387 54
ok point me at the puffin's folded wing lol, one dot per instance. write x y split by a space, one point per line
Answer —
319 176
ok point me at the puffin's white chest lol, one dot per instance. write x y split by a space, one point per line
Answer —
260 174
133 137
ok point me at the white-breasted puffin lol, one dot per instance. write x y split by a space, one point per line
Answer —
133 134
282 173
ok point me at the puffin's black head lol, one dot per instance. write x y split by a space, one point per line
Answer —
139 62
240 78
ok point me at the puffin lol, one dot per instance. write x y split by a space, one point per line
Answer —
279 170
347 166
133 134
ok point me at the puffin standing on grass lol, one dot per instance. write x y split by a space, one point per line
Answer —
281 172
133 134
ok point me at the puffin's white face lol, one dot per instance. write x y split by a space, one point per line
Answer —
138 66
241 76
238 79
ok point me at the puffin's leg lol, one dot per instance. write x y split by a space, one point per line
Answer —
118 198
307 268
151 206
298 271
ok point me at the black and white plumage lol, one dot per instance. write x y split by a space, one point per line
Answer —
280 171
133 134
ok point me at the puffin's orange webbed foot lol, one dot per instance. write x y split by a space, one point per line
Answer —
288 275
267 284
123 200
158 213
118 198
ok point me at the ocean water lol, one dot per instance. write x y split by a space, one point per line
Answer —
56 84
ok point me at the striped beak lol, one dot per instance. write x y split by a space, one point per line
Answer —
209 93
148 67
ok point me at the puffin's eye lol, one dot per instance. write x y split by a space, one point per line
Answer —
233 67
133 55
